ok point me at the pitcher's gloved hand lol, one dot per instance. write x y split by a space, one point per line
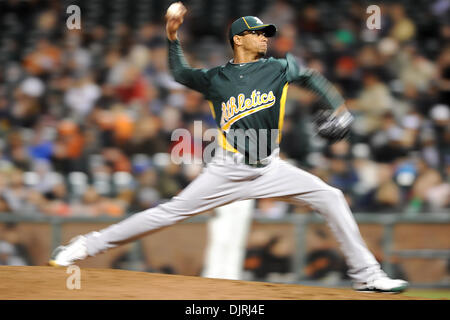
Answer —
331 126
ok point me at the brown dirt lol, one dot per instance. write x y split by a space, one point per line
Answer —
48 283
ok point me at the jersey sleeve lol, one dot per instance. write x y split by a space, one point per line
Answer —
196 79
313 81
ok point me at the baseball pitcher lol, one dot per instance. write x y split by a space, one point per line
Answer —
247 96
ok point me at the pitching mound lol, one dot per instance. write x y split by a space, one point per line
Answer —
45 283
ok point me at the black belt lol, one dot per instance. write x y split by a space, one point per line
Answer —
258 164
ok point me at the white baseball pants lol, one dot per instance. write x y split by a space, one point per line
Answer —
227 179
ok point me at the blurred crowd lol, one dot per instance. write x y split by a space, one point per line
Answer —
86 116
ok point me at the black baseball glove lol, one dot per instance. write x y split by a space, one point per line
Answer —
333 127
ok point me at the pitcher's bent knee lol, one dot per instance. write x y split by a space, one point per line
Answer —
336 193
329 199
337 196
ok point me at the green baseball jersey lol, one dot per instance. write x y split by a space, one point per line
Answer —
247 100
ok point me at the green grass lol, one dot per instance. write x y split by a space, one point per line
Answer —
428 293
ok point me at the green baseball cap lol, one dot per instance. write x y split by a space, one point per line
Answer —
250 23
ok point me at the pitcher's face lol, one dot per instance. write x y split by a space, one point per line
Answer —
254 41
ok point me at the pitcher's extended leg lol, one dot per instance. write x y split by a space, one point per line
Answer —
206 192
212 188
293 184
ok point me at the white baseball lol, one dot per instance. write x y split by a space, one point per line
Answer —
174 9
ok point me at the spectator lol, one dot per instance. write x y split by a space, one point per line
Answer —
41 148
133 86
123 125
427 180
4 207
147 137
310 21
75 58
45 59
82 95
58 200
45 178
347 76
68 146
285 40
373 101
26 108
419 72
34 204
88 206
367 171
9 256
387 142
443 83
16 192
116 160
12 251
279 12
15 149
403 28
172 180
343 176
387 196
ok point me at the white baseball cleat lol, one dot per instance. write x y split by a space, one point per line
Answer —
380 282
64 256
